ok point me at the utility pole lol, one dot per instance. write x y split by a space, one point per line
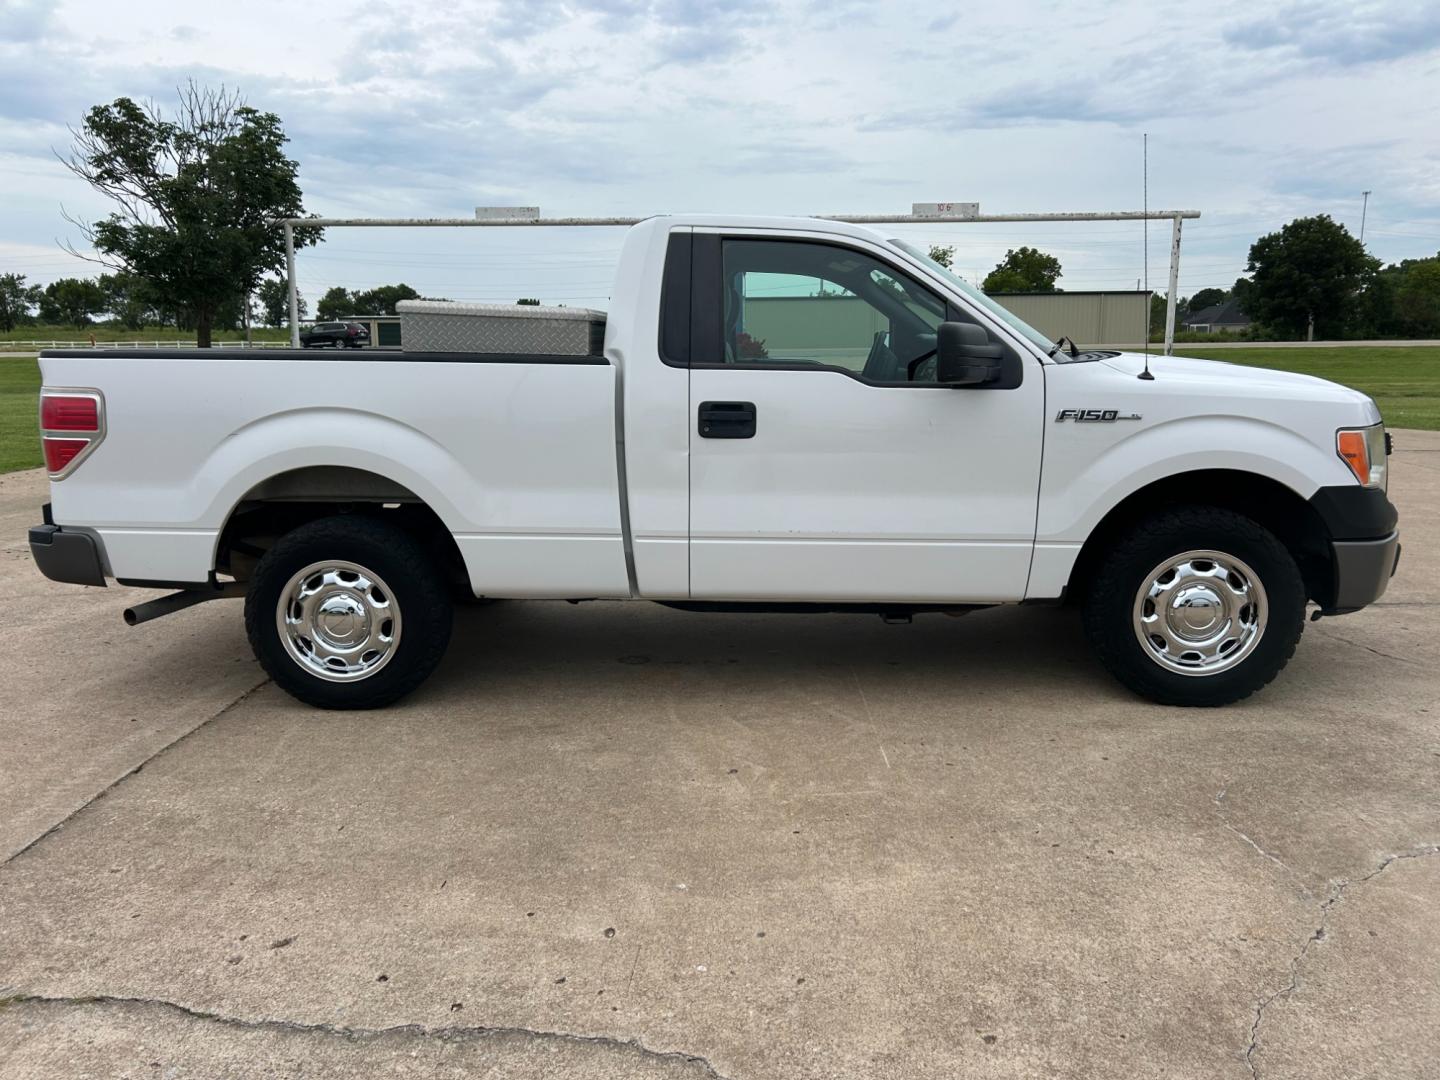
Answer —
1365 205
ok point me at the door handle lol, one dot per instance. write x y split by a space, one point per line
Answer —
727 419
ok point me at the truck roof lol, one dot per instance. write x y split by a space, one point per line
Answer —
757 221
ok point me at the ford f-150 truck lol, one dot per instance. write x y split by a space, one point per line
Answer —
775 414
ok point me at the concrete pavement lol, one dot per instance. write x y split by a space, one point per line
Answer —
615 840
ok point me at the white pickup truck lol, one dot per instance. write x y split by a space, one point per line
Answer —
777 414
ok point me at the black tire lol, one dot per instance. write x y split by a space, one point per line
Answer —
414 585
1109 606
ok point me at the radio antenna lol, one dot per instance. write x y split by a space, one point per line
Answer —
1145 185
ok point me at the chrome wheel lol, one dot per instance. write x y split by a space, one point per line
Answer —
1200 613
338 621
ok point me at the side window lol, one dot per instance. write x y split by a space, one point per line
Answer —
818 305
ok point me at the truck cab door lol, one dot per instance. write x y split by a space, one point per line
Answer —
826 463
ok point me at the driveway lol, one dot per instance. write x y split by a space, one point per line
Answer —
614 840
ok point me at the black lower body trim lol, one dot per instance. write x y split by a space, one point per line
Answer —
782 607
71 557
1363 569
1352 512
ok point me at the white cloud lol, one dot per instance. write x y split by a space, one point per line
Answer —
24 21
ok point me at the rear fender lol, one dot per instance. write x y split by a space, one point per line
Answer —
333 436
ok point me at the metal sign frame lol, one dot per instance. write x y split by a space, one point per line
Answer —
1175 217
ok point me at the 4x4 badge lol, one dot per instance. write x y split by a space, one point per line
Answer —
1094 416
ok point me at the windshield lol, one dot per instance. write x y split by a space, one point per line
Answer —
979 298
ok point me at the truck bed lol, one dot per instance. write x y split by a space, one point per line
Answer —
515 453
367 353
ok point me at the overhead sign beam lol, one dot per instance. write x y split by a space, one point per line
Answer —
856 219
940 213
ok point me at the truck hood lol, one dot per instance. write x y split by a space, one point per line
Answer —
1216 378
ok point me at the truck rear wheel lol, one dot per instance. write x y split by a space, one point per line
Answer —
348 612
1197 606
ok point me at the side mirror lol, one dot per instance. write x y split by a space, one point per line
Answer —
965 355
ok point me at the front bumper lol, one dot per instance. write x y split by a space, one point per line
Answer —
1363 569
1364 544
71 557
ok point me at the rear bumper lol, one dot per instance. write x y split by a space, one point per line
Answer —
71 557
1363 569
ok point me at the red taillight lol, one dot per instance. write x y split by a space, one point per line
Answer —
63 413
72 424
60 452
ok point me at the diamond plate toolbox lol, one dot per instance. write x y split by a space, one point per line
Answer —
444 326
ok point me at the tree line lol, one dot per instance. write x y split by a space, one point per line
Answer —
1310 278
129 301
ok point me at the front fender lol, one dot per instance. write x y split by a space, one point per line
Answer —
1079 485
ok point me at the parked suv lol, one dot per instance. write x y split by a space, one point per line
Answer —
342 335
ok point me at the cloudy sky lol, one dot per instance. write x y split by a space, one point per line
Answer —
1256 112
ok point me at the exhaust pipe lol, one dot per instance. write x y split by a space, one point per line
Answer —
168 605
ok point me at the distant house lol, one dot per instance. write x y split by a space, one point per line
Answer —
1216 317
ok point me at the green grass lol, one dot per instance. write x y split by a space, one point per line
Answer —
19 424
1405 382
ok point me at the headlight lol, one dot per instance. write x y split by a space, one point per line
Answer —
1363 449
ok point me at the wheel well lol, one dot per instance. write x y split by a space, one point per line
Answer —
287 500
1270 503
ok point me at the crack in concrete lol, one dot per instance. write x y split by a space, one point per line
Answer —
1265 853
1367 648
1337 893
131 772
340 1031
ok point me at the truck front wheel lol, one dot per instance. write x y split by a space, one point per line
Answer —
1196 606
347 612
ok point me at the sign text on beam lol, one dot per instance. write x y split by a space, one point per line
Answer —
945 209
507 213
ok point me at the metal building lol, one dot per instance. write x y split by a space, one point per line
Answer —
1087 318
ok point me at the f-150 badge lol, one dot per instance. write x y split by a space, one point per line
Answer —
1094 416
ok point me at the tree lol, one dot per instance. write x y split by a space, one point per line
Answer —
196 196
339 302
130 301
71 301
1005 281
335 304
1416 304
1158 304
274 297
528 301
16 300
1023 270
382 299
945 256
1312 269
1205 298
